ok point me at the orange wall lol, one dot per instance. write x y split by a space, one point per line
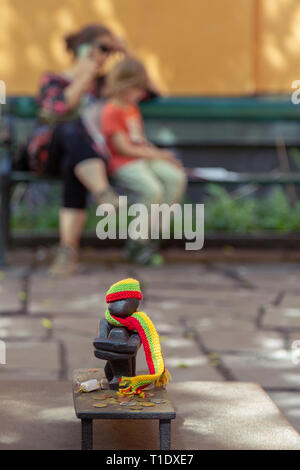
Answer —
191 47
278 60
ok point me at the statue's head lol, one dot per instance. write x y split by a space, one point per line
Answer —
123 297
123 308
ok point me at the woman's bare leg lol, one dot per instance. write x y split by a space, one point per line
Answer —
71 225
92 174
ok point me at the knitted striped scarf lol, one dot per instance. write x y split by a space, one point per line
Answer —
159 375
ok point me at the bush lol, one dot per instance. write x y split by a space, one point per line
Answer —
223 213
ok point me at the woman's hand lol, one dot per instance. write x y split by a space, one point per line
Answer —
84 74
170 157
86 70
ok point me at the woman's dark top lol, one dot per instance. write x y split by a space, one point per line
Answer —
53 114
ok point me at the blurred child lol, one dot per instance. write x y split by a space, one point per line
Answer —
152 174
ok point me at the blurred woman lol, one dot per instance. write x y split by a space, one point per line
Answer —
68 143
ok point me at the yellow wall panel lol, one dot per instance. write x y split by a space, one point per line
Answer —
191 47
278 55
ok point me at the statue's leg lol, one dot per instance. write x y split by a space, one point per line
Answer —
120 368
133 366
108 371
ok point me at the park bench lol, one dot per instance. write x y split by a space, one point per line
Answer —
209 132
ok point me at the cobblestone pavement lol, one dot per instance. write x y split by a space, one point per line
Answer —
217 321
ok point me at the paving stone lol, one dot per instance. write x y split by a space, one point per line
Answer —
11 294
22 327
244 337
288 403
282 317
30 360
86 327
230 415
208 317
79 353
20 257
77 295
271 276
177 271
291 301
273 370
184 360
38 415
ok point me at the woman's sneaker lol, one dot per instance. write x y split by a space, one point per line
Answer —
65 262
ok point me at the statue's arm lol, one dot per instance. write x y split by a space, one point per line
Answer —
104 328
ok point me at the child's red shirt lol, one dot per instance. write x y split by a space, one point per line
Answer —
128 120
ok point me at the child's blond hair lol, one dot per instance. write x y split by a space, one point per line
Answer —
126 74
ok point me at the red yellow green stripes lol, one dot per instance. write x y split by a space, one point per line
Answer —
159 375
125 289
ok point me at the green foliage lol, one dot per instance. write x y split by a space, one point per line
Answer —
223 213
248 215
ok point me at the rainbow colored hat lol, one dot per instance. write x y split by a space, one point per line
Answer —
125 289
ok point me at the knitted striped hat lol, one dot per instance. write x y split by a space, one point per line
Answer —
125 289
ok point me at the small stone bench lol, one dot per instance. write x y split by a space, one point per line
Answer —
86 410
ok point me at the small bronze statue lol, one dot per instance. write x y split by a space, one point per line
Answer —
121 334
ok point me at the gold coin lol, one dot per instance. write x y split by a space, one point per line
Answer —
147 403
99 405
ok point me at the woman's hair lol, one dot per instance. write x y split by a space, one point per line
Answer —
125 74
85 35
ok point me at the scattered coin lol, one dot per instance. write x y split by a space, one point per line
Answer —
93 370
99 405
99 398
147 403
127 404
158 400
123 399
